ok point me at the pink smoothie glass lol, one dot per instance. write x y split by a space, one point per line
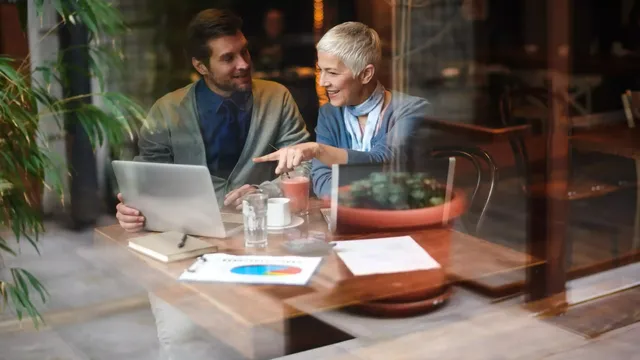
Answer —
296 186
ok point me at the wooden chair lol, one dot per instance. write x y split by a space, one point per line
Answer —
580 187
477 157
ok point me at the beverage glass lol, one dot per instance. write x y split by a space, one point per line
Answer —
296 186
254 212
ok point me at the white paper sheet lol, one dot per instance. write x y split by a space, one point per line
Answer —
384 256
247 269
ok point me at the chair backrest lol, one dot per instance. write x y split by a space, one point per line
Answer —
538 96
533 97
631 104
477 157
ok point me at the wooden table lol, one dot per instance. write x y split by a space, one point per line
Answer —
619 140
238 314
477 132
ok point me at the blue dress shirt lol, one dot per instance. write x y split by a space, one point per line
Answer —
224 124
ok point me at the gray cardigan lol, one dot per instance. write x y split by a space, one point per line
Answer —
171 134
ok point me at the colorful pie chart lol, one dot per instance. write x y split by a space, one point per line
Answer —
266 270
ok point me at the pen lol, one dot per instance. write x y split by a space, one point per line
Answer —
182 241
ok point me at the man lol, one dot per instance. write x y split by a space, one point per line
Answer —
223 121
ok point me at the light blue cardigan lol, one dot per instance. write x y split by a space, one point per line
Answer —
400 120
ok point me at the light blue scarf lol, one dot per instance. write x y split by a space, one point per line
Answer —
371 107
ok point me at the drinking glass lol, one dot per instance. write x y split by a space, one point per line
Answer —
254 212
296 186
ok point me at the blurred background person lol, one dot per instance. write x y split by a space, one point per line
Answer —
270 49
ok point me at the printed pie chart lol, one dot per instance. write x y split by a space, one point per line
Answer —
266 270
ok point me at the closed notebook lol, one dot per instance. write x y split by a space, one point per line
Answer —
164 246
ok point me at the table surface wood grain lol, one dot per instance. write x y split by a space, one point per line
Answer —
242 308
619 140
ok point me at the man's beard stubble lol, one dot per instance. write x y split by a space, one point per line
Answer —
229 86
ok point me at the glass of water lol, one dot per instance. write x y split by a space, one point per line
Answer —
254 212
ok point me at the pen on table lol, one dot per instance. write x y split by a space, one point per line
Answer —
182 241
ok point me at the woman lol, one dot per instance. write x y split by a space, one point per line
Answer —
363 122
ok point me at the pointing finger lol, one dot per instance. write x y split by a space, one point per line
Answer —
274 156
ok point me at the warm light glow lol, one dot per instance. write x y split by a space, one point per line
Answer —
318 27
318 15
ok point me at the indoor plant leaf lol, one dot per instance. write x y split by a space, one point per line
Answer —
5 247
36 284
26 99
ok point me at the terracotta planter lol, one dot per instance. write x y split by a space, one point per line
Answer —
381 220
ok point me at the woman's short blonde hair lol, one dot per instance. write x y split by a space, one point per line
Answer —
356 44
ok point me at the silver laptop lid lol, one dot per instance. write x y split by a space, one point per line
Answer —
171 197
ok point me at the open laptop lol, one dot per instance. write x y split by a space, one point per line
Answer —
175 197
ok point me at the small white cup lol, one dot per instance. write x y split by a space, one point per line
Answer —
278 212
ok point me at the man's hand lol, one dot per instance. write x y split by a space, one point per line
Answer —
129 218
234 197
290 157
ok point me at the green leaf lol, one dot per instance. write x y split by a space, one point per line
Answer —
4 246
97 72
37 285
32 242
39 4
24 102
8 71
47 73
18 305
15 227
60 9
22 303
18 280
86 15
111 22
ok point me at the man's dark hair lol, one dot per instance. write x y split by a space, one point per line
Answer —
207 25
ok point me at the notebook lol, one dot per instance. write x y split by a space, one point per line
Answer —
164 246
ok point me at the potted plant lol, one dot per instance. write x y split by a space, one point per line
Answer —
397 200
25 161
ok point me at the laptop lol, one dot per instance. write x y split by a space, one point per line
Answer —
174 197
